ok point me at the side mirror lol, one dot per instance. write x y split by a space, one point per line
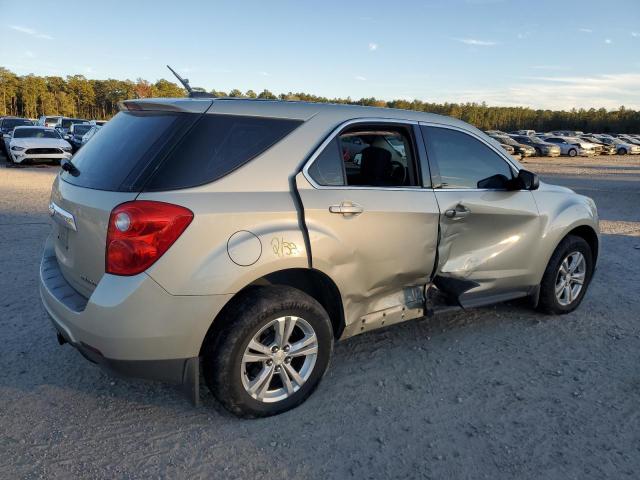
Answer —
528 180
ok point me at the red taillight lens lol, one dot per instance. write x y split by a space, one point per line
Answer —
140 232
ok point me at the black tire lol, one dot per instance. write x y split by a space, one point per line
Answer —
222 359
538 152
573 152
548 302
622 151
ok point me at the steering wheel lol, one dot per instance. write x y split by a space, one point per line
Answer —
398 172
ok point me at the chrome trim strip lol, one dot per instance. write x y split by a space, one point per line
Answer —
63 217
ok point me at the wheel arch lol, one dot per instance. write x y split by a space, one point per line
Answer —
313 282
587 233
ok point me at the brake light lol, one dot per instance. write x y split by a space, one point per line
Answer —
140 232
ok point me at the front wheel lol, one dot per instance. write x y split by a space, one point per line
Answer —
573 152
567 276
273 349
622 151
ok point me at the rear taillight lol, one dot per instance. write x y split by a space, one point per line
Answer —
140 232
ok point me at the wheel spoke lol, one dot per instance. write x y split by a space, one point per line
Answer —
559 288
578 278
286 381
290 324
260 385
258 347
255 357
294 374
568 293
564 268
304 347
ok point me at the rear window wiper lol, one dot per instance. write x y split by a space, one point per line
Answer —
68 166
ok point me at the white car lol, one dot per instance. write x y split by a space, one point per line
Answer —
37 144
572 146
622 147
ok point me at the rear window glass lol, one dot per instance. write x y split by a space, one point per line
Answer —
15 122
126 145
67 122
164 151
215 146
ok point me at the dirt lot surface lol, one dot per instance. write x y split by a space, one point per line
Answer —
500 392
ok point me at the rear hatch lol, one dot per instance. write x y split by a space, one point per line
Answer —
111 169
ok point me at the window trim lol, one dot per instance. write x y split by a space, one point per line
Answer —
410 124
435 170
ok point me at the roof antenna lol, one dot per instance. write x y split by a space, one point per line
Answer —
193 92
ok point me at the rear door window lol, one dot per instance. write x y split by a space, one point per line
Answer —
216 146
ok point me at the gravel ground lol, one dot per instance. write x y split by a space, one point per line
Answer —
500 392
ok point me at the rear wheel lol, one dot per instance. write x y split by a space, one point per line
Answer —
567 276
622 151
271 353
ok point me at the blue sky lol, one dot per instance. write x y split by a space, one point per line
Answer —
550 54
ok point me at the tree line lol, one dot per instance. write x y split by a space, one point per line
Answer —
76 96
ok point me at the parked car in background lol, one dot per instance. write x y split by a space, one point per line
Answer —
567 133
37 144
48 121
629 139
90 134
622 147
491 133
524 132
7 124
542 148
64 124
601 147
98 122
572 146
520 148
76 132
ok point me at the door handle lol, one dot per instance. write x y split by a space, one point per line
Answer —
457 213
346 208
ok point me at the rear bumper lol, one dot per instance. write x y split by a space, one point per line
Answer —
129 325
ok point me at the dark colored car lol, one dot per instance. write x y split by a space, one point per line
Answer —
7 124
76 132
522 149
543 149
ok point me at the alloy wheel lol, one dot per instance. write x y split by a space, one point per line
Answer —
570 278
279 359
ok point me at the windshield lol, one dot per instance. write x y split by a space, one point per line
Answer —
67 122
15 122
506 140
81 129
34 133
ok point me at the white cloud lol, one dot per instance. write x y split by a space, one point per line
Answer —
265 74
29 54
30 31
608 41
476 42
585 30
635 34
360 77
607 91
373 47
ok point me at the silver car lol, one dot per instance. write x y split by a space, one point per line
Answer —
572 146
622 147
233 235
